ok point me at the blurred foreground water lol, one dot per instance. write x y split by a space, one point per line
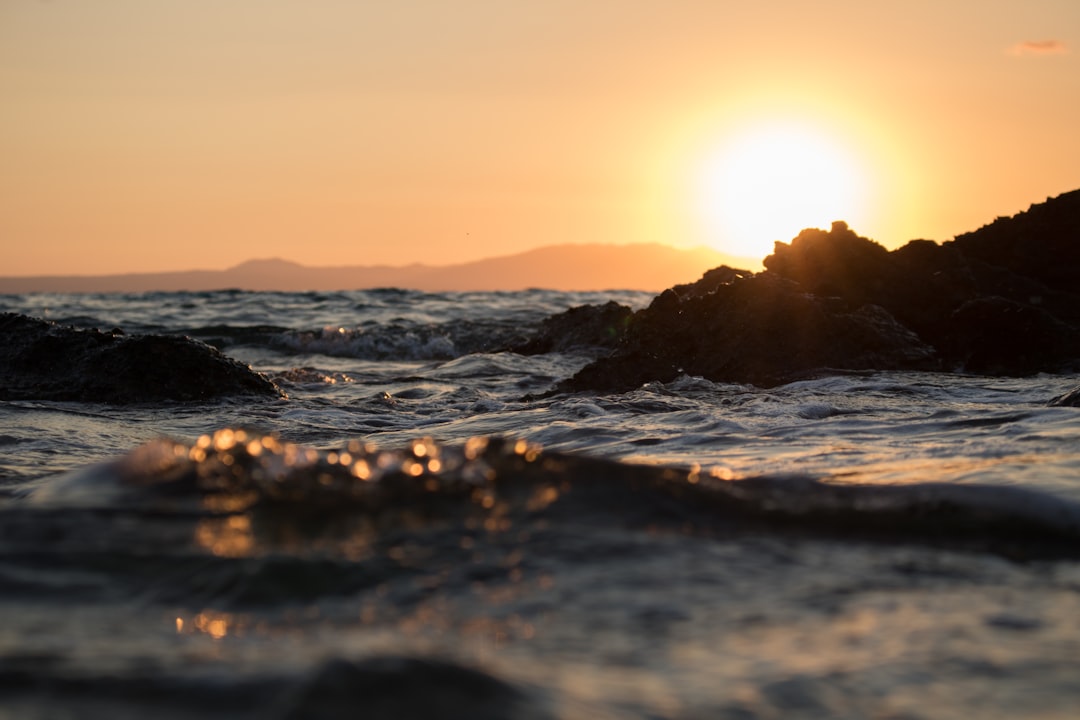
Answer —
408 536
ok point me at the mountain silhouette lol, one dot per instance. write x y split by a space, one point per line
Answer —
557 267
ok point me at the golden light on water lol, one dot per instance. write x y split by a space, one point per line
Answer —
214 624
230 536
209 622
474 447
360 469
530 451
721 472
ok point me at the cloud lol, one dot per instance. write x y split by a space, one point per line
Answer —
1039 47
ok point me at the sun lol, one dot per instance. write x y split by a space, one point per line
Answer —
770 181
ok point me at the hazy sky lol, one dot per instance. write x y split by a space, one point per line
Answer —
143 135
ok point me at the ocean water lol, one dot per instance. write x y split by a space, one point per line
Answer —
413 533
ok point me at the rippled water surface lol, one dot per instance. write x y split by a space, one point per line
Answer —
528 584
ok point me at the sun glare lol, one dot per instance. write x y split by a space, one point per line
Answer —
772 181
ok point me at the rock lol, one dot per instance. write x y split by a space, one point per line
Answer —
761 329
1042 243
965 297
996 336
1003 300
834 263
40 360
1069 399
839 263
586 326
708 283
402 687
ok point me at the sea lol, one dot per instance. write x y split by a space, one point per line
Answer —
420 529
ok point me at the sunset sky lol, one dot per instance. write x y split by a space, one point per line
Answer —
149 135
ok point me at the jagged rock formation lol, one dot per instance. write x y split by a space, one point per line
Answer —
40 360
1003 300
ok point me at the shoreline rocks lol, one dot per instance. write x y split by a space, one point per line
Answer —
40 360
1003 300
585 327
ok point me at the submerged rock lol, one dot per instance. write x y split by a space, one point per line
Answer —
1003 300
40 360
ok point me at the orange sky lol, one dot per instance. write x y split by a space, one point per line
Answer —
146 135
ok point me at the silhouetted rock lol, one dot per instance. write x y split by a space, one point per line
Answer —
586 326
996 336
760 329
1003 300
40 360
708 283
388 688
920 286
1042 243
994 301
834 263
1069 399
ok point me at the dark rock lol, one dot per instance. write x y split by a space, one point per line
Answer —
958 297
710 281
839 263
1042 243
407 688
834 263
1003 300
587 326
762 330
40 360
995 336
1069 399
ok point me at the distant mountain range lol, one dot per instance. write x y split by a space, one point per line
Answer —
558 267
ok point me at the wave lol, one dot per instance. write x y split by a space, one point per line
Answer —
400 340
515 482
406 568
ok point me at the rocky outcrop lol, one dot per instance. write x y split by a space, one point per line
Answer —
762 329
583 327
40 360
1003 300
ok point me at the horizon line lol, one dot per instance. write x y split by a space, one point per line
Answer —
383 266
